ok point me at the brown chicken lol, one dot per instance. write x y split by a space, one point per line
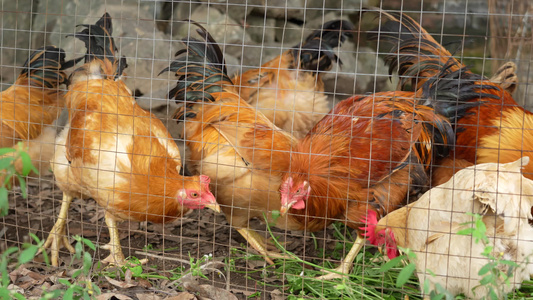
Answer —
32 103
498 131
229 140
289 89
429 227
117 153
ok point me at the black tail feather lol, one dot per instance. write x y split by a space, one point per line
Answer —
100 43
316 53
45 67
415 54
201 71
453 93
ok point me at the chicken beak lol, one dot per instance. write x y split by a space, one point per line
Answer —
285 208
214 207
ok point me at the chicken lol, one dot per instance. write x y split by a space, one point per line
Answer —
429 227
506 77
498 131
117 153
289 89
32 103
229 140
369 152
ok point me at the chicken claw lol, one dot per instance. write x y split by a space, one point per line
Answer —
58 237
116 257
347 263
257 242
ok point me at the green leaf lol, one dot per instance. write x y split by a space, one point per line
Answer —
87 262
10 251
487 279
26 163
69 294
426 286
55 294
437 296
28 254
137 270
493 295
77 273
487 251
96 289
89 244
6 162
45 256
275 215
486 268
4 293
467 231
391 264
64 281
35 238
405 274
340 287
78 250
509 263
19 296
4 151
22 183
4 202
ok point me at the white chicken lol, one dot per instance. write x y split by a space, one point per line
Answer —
497 192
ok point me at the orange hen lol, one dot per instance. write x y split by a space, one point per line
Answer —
32 103
229 140
117 153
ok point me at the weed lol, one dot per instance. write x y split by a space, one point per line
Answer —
7 170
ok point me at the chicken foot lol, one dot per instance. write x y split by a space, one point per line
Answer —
257 242
58 237
347 263
116 257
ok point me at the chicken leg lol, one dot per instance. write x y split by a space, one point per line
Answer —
116 257
58 237
256 241
347 263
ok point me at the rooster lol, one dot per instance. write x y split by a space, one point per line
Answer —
117 153
289 89
229 140
32 103
370 152
498 131
429 227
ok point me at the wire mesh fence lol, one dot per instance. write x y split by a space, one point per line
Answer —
317 127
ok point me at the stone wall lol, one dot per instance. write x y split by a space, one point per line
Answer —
250 31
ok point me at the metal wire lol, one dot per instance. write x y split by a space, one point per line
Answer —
251 33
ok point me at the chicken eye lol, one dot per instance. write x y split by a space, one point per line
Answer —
299 191
194 194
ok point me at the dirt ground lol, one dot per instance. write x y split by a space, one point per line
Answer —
231 275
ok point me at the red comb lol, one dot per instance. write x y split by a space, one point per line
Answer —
369 231
205 179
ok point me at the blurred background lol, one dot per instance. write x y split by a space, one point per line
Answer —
252 32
